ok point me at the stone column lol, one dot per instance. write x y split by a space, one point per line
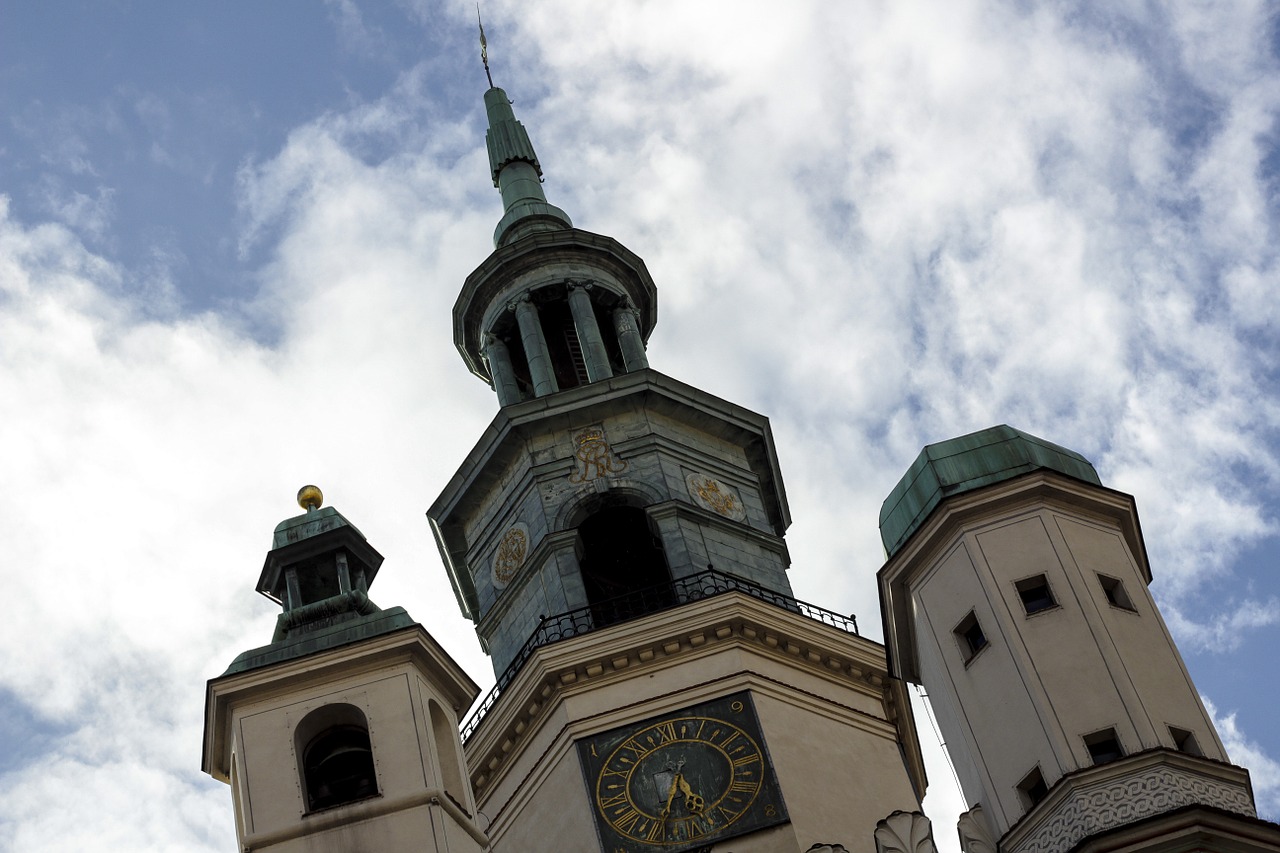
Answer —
496 356
584 322
626 322
535 348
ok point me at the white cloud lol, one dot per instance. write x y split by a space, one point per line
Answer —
1227 629
1264 771
92 216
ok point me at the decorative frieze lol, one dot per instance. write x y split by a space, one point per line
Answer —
1150 789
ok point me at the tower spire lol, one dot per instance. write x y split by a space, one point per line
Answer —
516 171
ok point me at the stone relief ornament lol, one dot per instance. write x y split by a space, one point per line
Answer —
827 848
513 547
974 837
905 832
715 496
595 456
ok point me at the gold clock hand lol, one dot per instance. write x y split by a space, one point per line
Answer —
694 803
671 795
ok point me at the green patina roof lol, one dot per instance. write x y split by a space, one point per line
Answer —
960 465
361 627
308 543
309 524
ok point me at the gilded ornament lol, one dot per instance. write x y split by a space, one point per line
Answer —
595 456
512 549
713 495
310 497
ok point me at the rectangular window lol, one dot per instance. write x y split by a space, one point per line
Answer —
1103 746
1032 789
970 636
1113 588
1185 741
1035 594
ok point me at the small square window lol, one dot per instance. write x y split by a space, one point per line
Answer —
1185 741
970 635
1032 788
1104 746
1114 590
1035 593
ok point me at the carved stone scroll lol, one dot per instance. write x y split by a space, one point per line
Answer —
905 832
974 836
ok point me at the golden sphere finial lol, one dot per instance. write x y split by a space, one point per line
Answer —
310 497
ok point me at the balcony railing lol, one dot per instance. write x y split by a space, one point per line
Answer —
633 605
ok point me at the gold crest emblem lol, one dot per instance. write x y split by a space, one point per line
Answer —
713 495
595 456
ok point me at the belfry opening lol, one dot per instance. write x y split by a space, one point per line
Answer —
624 569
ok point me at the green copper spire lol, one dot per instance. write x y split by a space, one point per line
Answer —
517 173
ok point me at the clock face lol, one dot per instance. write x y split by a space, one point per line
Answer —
682 780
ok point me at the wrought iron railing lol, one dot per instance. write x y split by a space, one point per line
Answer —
611 611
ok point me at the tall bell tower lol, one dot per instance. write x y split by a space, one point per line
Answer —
616 536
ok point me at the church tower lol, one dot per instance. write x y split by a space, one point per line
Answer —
616 536
342 733
1016 592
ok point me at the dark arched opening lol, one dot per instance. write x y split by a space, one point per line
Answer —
624 570
337 760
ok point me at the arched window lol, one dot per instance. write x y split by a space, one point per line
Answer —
624 570
336 757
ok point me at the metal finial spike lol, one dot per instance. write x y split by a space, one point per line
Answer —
310 497
484 48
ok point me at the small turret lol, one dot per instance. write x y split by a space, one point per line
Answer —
342 733
319 570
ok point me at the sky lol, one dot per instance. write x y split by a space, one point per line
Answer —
231 236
